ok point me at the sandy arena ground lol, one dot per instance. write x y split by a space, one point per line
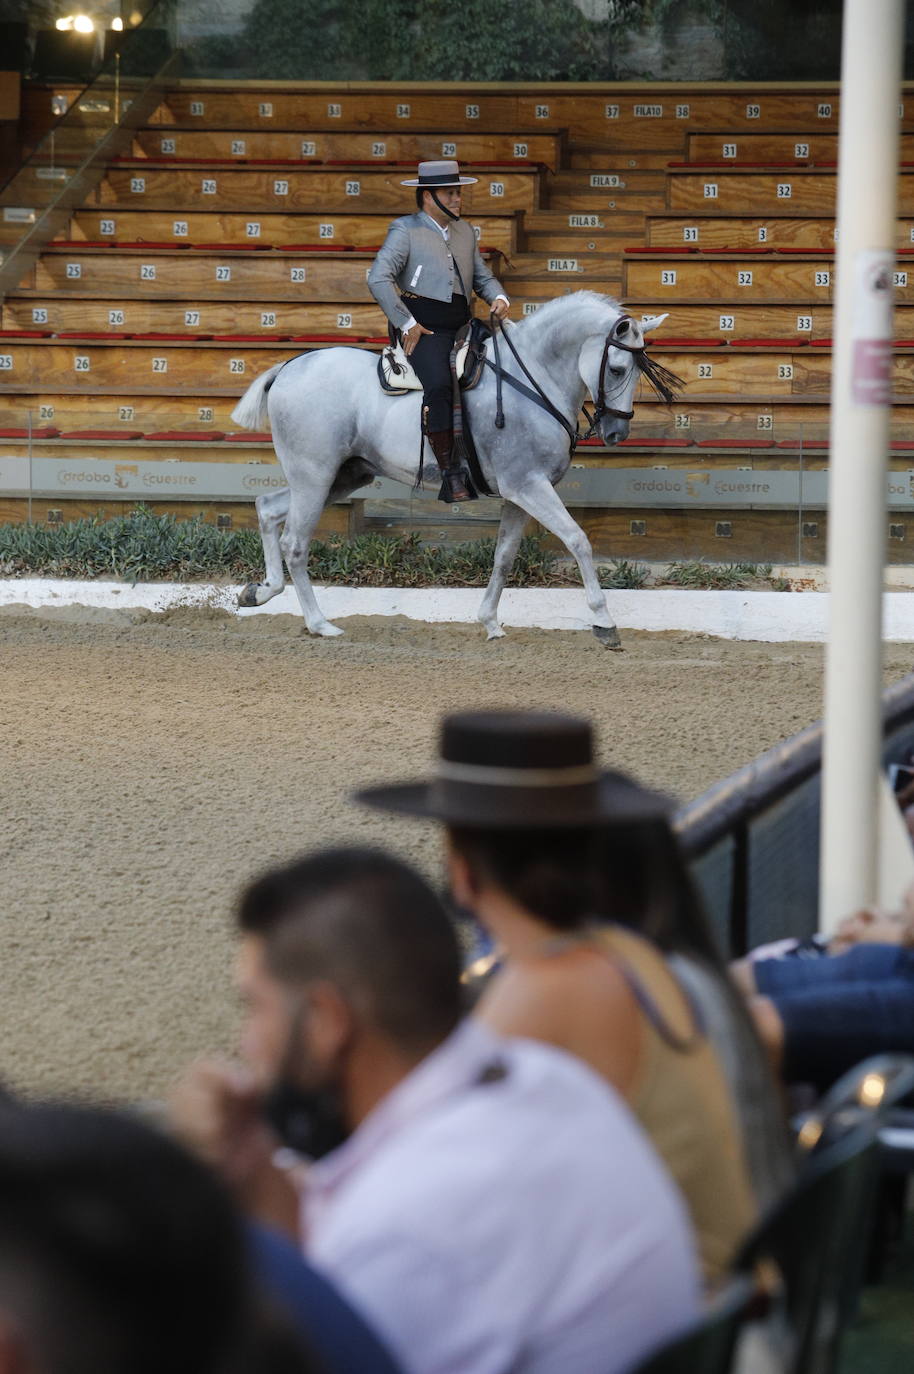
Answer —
154 763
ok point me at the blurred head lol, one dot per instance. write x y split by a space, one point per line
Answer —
119 1253
345 953
633 874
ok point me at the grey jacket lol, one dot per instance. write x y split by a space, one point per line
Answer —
415 257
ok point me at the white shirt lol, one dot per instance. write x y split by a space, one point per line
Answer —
443 230
523 1224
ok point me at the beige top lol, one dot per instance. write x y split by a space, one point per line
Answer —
681 1098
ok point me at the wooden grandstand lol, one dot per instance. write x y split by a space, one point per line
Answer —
237 229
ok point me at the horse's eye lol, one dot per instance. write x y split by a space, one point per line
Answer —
617 371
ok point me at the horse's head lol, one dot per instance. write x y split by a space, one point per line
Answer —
611 367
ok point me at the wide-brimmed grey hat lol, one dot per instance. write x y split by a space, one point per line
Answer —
515 769
441 173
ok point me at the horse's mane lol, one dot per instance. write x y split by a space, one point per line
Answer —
597 314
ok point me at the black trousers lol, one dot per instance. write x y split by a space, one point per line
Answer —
431 358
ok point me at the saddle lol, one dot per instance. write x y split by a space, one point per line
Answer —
396 375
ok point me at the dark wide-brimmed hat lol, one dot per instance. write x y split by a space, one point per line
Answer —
514 769
441 173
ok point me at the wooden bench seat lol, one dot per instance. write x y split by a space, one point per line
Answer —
633 115
150 274
765 278
195 317
387 145
729 321
325 230
561 232
226 366
69 411
374 190
802 146
796 192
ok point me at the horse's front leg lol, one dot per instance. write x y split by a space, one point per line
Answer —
510 532
272 508
543 502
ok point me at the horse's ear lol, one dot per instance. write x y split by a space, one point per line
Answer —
649 322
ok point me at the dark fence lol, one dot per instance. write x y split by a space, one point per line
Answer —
752 840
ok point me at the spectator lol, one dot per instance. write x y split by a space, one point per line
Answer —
569 869
818 1017
487 1204
119 1253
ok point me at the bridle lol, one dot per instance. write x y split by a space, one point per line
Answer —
539 396
600 406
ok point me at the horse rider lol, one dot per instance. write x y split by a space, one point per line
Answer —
422 278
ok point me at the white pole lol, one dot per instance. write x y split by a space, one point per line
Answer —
871 70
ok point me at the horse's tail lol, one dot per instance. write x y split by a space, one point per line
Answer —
251 410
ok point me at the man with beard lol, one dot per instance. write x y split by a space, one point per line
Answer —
487 1204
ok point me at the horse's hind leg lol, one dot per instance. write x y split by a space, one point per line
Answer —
545 505
295 542
510 531
272 508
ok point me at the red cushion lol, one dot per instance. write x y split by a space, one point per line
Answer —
257 247
112 434
788 343
821 343
903 444
320 248
811 252
153 243
806 443
654 443
250 338
739 252
190 337
46 433
25 333
666 343
186 436
736 443
91 334
662 252
248 438
322 338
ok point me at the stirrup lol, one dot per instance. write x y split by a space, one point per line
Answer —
466 491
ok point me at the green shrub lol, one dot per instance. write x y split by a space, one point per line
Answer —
143 546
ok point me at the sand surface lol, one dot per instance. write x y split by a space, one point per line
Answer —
152 764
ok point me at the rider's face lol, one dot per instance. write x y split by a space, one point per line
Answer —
450 199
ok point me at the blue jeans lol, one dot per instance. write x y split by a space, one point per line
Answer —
838 1010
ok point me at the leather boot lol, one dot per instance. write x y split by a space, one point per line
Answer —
455 484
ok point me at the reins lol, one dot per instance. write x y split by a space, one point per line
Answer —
537 394
660 378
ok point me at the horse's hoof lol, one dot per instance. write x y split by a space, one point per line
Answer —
494 632
325 630
608 636
248 595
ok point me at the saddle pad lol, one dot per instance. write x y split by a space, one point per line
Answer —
396 372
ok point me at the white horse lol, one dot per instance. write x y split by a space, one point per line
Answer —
335 430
